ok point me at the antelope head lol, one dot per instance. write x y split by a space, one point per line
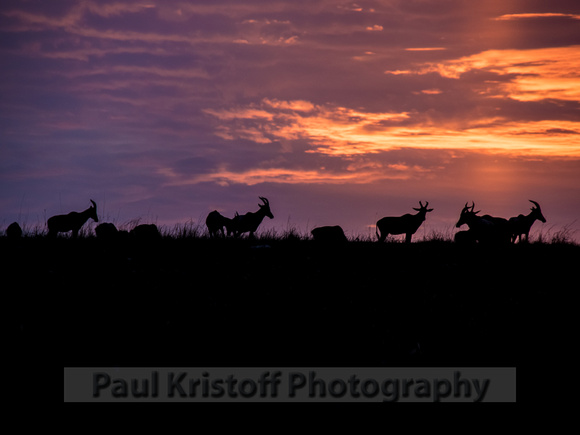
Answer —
466 214
265 208
423 208
93 209
537 211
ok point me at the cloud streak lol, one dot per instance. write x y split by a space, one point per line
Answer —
511 17
345 132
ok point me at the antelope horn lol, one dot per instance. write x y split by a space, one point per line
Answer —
264 199
94 204
535 203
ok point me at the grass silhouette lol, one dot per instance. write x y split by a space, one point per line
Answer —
282 299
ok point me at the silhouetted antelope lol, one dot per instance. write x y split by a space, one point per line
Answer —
484 229
478 226
215 223
329 234
407 224
522 224
250 221
71 222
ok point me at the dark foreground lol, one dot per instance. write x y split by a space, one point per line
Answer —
182 302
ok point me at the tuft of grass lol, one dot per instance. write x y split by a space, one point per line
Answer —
561 236
188 230
37 230
441 236
291 233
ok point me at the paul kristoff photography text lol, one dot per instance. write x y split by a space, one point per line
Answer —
290 384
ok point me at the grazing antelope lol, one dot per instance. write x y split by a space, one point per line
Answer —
71 222
329 234
407 224
522 224
250 221
484 229
215 223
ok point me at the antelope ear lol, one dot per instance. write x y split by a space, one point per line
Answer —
429 209
416 209
477 212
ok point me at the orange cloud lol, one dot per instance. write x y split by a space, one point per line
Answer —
303 120
537 74
345 132
430 91
297 105
510 17
426 49
356 173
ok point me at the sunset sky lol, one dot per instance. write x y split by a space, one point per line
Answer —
338 112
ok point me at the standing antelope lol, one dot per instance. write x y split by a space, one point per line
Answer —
483 229
407 224
215 223
250 221
522 224
72 221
